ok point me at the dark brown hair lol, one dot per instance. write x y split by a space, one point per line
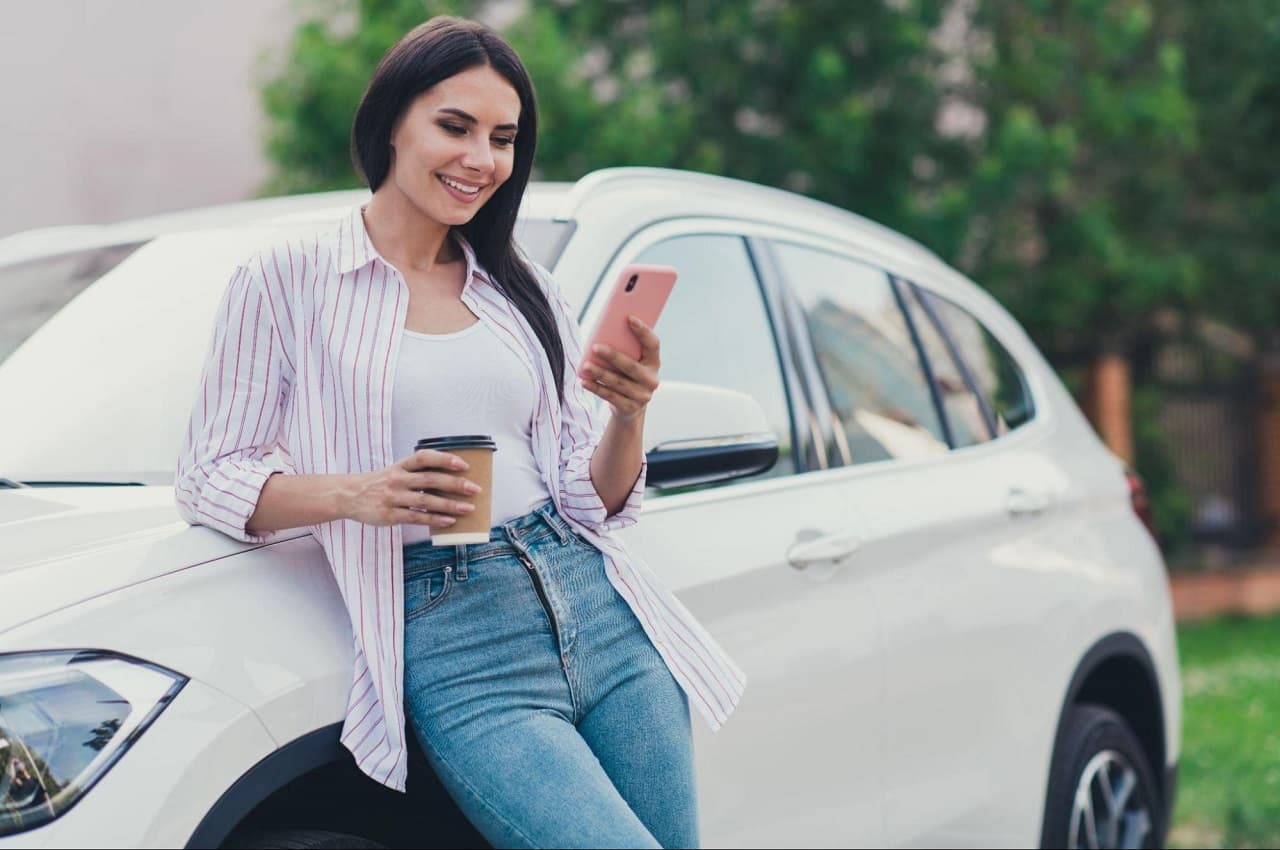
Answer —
431 52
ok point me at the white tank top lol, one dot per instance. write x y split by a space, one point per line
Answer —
468 382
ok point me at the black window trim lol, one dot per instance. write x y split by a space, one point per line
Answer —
988 415
812 414
896 283
773 296
988 411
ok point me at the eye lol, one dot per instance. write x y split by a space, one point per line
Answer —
453 129
505 141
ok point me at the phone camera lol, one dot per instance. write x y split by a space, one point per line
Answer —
631 284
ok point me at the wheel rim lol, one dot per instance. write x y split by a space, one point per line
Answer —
1109 809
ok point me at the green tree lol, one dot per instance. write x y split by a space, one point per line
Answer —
1077 189
1233 209
833 99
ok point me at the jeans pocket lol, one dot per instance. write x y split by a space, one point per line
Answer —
426 590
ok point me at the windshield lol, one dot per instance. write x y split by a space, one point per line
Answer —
32 291
101 351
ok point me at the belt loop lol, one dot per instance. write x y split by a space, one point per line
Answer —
460 560
549 517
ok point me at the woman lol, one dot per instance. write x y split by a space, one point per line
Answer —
547 673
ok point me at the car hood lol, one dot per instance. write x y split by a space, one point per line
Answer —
60 546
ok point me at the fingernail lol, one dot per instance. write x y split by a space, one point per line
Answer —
599 349
472 487
466 507
459 464
634 321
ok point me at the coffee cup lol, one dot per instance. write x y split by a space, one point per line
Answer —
477 450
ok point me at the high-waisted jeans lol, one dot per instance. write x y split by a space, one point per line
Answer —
538 699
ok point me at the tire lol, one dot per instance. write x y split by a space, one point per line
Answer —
1097 755
300 839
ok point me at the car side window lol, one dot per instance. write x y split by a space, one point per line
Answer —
715 330
997 375
964 411
866 355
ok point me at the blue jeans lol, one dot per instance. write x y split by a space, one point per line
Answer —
538 699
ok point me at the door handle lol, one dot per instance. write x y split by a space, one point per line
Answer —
1022 502
832 547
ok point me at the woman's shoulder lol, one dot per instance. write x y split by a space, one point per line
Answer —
280 260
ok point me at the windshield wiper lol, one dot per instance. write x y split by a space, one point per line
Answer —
83 484
9 483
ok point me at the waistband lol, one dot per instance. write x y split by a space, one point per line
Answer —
505 539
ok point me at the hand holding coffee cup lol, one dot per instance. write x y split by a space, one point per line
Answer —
428 487
476 451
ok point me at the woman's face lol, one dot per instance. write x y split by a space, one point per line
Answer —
455 144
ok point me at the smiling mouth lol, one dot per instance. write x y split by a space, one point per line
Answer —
461 187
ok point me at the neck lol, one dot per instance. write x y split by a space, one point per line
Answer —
405 236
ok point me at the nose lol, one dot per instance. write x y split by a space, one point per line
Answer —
478 156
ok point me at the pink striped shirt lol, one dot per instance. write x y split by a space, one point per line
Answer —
298 379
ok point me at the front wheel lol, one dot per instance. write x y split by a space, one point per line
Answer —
1101 788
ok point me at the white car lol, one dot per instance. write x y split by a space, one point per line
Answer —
864 480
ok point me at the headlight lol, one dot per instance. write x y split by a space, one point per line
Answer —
65 718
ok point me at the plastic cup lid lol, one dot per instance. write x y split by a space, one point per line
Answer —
465 441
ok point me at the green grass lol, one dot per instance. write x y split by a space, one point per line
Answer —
1229 779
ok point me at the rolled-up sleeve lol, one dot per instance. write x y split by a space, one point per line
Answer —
231 443
582 425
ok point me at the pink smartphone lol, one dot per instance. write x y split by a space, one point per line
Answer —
640 290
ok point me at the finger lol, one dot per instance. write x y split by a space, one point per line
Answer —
435 503
433 459
408 516
442 482
616 361
649 344
619 384
613 397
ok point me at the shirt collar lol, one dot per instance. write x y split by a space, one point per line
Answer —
355 249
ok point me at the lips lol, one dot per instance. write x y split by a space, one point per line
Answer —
460 189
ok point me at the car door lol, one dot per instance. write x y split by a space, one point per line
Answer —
950 517
977 618
799 763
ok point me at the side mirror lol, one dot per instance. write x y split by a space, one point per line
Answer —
694 434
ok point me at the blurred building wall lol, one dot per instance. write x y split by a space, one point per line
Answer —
111 109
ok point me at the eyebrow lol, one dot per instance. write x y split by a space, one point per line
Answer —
471 119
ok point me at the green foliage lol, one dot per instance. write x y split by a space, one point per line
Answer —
1077 189
1229 776
1233 211
830 98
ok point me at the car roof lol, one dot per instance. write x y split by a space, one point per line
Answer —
664 192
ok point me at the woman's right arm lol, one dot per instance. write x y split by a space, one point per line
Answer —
223 479
391 496
236 418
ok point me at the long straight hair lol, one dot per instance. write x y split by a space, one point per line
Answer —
431 52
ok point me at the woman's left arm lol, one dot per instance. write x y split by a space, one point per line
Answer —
602 464
627 385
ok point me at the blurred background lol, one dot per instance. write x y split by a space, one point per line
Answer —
1108 169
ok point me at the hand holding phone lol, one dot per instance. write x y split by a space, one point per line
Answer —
641 290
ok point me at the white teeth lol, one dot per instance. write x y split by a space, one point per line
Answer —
469 190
